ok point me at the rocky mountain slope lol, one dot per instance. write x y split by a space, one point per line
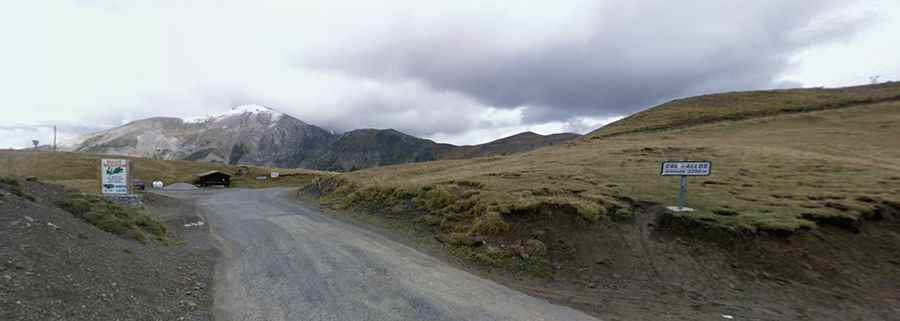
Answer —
257 135
364 148
249 134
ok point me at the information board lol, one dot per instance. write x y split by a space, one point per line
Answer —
114 176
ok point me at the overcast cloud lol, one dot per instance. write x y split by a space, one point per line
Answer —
459 72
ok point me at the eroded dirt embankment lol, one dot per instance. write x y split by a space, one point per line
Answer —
655 263
54 266
655 266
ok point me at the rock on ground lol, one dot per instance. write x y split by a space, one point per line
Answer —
56 267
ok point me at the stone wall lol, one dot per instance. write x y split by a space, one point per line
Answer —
127 200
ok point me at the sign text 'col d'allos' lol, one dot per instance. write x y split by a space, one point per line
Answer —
686 168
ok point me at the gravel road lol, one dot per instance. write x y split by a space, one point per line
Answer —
286 261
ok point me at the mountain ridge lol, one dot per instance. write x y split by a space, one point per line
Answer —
259 135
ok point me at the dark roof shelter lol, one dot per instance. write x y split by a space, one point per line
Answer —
213 178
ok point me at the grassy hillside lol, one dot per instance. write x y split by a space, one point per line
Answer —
79 170
517 143
733 106
775 171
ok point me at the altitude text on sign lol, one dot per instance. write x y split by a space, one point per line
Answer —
684 169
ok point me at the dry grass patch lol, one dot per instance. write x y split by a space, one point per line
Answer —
682 113
767 172
80 171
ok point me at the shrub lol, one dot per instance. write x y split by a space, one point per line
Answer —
11 181
493 256
436 197
78 205
432 220
589 210
16 188
622 214
111 217
725 212
151 226
490 223
535 248
107 219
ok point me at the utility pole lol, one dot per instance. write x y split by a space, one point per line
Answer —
874 79
54 138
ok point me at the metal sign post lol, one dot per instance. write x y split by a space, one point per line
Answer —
684 169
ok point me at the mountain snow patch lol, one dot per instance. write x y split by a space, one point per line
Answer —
241 110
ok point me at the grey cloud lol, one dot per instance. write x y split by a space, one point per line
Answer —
626 57
414 112
20 135
406 107
65 127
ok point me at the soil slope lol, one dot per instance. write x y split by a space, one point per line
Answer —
57 267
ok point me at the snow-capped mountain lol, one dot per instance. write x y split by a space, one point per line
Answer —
258 135
249 134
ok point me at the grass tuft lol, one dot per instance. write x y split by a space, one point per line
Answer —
771 172
490 223
16 188
112 217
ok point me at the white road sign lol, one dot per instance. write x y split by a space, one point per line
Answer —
686 168
114 176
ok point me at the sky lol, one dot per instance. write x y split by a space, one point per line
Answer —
462 72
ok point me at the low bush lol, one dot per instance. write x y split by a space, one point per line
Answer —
489 224
79 205
535 248
111 217
12 184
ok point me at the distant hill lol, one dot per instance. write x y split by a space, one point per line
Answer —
733 106
364 148
257 135
518 143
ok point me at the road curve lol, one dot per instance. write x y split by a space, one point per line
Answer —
286 261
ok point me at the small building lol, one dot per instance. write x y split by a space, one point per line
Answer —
213 178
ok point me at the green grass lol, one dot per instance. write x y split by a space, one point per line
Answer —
823 162
113 218
776 172
732 106
12 184
80 171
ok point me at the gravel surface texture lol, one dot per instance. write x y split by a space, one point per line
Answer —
286 261
56 267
